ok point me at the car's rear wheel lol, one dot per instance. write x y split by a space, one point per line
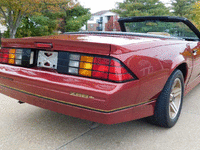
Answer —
169 103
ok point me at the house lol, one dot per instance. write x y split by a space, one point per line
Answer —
2 28
103 21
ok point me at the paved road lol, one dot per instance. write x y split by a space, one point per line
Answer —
26 127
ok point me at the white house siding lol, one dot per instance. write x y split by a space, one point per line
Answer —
105 18
2 28
93 22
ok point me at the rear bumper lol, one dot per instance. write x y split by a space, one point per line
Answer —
89 99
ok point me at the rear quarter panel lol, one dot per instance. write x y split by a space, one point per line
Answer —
153 66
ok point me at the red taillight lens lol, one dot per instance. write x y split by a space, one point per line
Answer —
102 61
120 77
4 60
118 70
106 68
100 75
100 68
5 51
16 56
4 55
115 63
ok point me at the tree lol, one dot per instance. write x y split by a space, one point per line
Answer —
183 8
39 25
196 14
130 8
47 22
74 19
13 11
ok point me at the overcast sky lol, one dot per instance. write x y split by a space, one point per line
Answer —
99 5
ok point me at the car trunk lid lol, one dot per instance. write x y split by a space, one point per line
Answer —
70 43
76 54
101 44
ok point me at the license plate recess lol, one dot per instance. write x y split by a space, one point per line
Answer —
47 59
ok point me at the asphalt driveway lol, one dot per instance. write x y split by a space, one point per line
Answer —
26 127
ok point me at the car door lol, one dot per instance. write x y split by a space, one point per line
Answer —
195 76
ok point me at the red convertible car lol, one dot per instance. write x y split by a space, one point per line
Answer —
107 77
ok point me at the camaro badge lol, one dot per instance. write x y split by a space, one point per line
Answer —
81 95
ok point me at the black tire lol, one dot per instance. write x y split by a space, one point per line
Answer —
166 113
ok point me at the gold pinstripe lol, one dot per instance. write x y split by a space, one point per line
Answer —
73 104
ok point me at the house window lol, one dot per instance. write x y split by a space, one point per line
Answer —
92 19
108 17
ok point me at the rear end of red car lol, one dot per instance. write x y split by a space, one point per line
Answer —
72 77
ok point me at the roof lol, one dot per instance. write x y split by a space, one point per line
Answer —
100 13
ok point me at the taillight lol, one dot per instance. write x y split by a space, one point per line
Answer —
4 53
21 57
105 68
97 67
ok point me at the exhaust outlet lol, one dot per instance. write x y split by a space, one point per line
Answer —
20 102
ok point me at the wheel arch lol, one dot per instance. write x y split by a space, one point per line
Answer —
184 69
180 63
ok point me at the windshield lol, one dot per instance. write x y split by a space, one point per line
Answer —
172 29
